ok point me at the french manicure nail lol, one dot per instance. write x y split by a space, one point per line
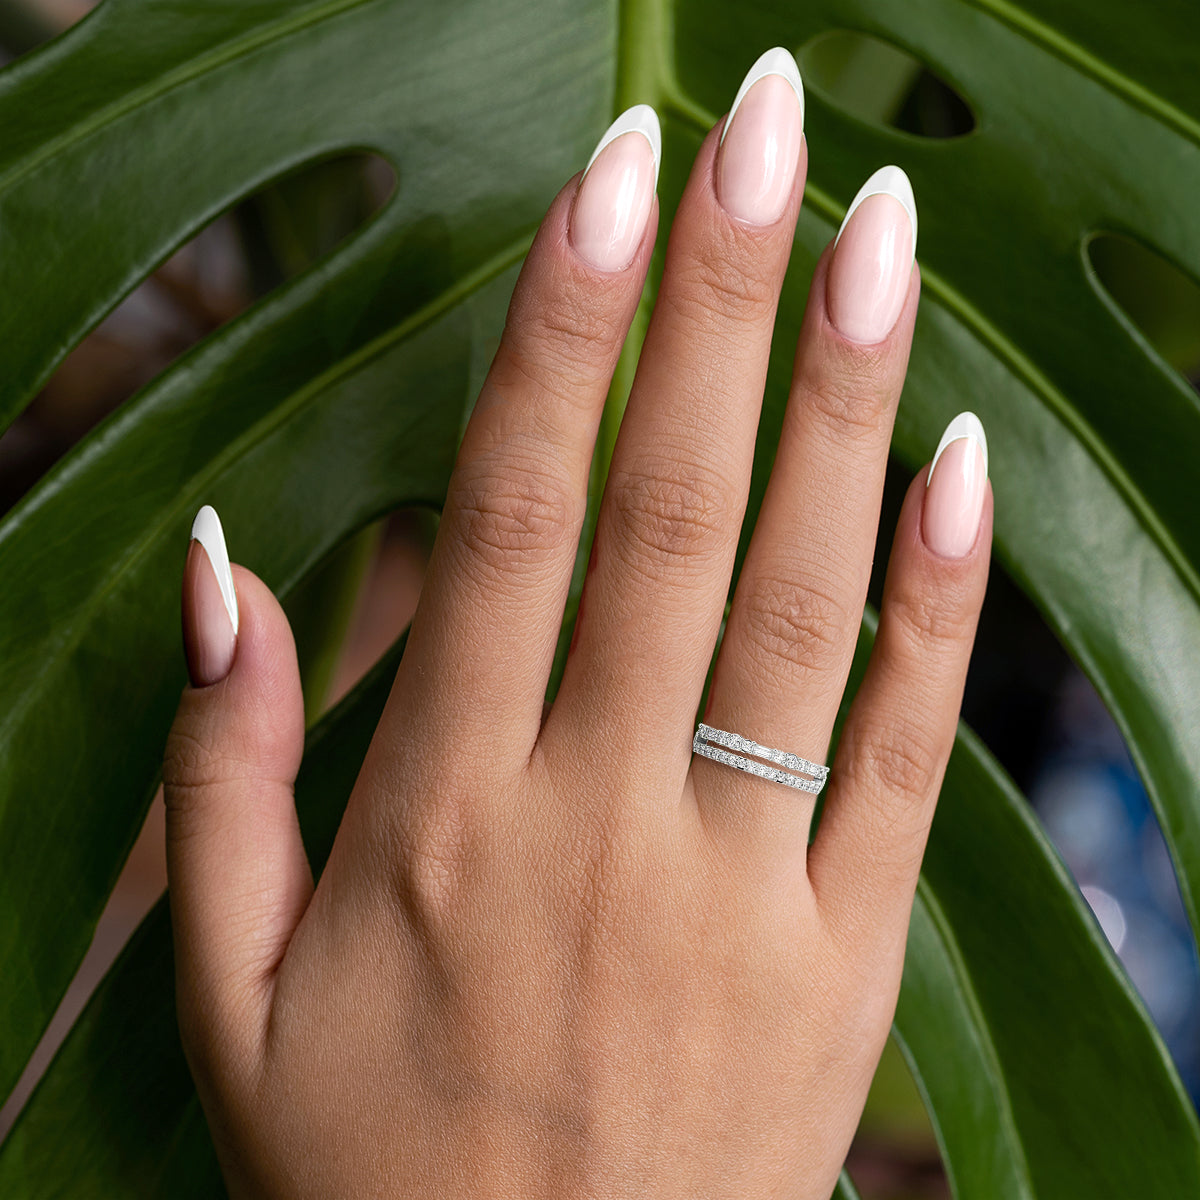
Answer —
873 258
616 192
955 487
760 141
210 608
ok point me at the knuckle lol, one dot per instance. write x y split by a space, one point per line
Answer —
434 849
928 623
892 778
433 871
728 284
852 398
786 623
193 765
517 514
577 327
563 344
668 517
903 761
186 760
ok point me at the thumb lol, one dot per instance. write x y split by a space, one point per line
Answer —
238 876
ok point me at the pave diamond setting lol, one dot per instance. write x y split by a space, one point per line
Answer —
708 741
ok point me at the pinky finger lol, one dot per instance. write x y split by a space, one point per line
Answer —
884 783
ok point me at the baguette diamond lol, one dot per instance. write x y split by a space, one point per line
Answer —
708 741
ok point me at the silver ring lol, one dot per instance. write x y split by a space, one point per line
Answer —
733 742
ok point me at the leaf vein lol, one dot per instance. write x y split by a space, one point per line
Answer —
225 52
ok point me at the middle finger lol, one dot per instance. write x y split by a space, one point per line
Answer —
669 521
789 640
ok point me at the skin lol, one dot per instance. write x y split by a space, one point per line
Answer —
553 954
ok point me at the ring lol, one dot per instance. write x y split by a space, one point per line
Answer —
706 734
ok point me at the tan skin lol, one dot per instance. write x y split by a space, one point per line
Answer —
553 954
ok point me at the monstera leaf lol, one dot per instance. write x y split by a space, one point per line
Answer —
342 395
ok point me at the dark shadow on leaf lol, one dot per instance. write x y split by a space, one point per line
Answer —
1154 294
271 236
876 81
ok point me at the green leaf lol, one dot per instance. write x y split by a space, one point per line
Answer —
343 394
845 1188
1043 1074
289 420
320 610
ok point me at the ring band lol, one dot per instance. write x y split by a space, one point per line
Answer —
733 742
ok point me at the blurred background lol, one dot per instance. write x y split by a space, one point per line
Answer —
1033 707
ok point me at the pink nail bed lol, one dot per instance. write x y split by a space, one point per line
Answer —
614 199
955 489
210 607
758 156
868 278
209 639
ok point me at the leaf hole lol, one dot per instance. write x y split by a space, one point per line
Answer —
286 227
364 592
876 81
27 24
895 1150
1159 299
267 238
1096 810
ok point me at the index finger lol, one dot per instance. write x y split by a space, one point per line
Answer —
491 605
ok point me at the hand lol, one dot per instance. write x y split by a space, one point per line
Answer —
553 954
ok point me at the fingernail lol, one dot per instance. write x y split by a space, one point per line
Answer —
873 258
617 189
954 488
210 608
760 143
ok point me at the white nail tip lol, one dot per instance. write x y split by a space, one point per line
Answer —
206 529
887 181
965 425
776 61
641 118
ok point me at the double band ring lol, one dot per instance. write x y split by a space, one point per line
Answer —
709 742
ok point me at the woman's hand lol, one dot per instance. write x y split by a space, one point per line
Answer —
553 953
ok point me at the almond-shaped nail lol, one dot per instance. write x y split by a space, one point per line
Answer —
760 141
873 258
616 192
955 488
210 608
